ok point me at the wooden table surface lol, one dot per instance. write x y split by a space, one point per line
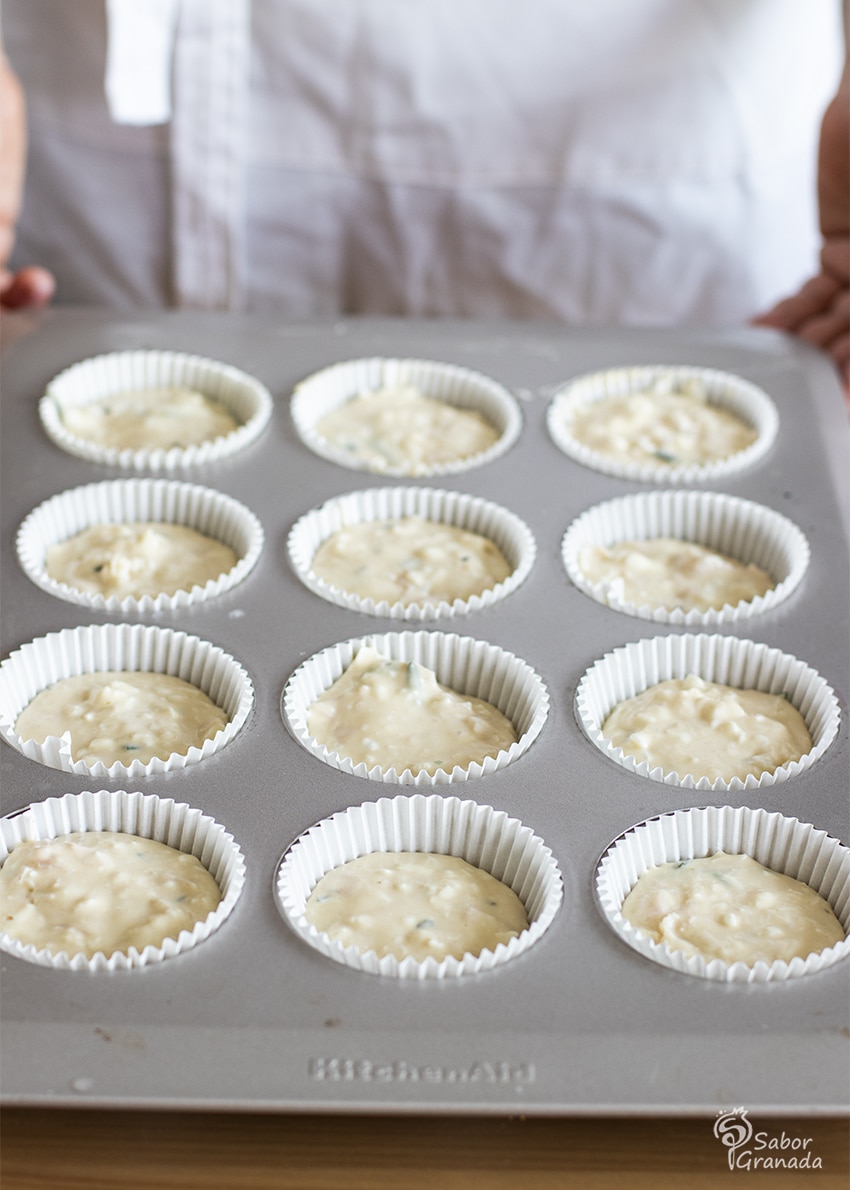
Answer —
98 1150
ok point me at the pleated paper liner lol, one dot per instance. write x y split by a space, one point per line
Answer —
724 390
781 843
149 817
744 664
741 529
129 501
489 520
90 380
98 648
486 838
463 388
467 666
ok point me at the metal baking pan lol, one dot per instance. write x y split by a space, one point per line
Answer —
253 1019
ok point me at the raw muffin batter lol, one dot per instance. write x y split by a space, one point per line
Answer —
396 715
729 907
665 572
415 904
667 424
138 559
690 726
402 431
150 419
95 891
122 717
409 560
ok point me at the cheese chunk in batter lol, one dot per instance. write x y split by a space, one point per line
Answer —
115 716
415 905
663 572
666 424
142 558
691 726
731 908
150 419
403 431
102 891
396 715
410 560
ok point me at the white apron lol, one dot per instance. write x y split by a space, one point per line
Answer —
631 161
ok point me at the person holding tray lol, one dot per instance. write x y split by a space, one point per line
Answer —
642 164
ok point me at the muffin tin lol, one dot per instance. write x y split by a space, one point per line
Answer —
253 1017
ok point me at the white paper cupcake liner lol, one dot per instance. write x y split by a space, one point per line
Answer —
503 528
471 667
744 664
150 817
99 648
89 380
326 390
128 501
484 837
783 844
740 529
729 392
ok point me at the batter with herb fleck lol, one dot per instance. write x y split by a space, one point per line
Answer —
415 905
667 424
138 559
409 560
395 714
122 716
668 573
705 729
150 419
730 907
101 891
402 431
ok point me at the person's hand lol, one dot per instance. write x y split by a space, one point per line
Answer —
31 286
820 312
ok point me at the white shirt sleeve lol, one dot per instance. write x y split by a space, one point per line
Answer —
139 54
